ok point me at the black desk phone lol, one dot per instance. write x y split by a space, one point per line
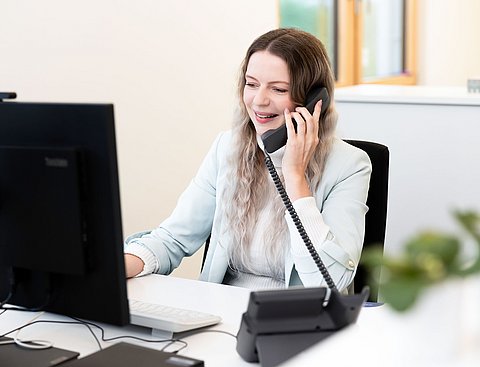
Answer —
276 138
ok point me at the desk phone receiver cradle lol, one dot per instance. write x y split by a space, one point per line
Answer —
279 324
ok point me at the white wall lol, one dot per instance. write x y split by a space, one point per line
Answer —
432 135
169 67
448 42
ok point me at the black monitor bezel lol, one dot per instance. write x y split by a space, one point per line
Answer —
100 294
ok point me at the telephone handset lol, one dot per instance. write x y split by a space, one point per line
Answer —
276 138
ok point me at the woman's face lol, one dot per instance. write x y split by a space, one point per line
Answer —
267 91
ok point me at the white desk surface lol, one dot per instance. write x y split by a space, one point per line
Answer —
216 349
374 340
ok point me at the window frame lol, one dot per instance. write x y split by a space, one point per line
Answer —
409 76
348 45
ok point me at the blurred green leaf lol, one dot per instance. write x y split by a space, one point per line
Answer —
442 246
428 258
470 221
401 293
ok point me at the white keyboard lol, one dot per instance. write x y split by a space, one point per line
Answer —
168 318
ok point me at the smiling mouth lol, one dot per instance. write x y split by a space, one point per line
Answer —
265 116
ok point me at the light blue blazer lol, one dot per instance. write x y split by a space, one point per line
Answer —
334 219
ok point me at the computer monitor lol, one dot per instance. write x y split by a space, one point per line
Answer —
60 220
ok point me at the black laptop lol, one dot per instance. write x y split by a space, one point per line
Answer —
128 355
12 355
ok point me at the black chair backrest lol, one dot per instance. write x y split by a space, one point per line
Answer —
376 217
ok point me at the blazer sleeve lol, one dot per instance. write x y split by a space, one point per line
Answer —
334 220
188 226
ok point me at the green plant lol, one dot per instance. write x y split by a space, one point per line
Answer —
428 258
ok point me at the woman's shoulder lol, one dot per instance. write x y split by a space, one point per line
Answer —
342 147
344 154
223 140
219 149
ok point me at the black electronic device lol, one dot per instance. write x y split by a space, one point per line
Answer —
13 355
276 138
126 355
61 240
7 95
279 324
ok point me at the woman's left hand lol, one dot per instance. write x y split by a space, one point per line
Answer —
299 150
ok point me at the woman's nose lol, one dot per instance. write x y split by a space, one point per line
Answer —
261 98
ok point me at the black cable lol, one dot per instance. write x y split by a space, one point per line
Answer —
185 344
187 334
298 223
91 332
103 338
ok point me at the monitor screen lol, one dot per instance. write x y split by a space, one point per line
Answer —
60 221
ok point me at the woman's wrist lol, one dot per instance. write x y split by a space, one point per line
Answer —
297 187
133 265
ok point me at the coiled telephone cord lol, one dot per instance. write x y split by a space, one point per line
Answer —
298 224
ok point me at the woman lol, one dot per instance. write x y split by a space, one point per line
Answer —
254 242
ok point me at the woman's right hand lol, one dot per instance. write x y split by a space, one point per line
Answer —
301 146
133 265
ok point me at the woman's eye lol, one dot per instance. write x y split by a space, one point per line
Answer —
250 84
280 90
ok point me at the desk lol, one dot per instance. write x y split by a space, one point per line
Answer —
216 349
442 329
375 341
377 337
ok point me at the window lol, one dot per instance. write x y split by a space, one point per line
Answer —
318 17
368 41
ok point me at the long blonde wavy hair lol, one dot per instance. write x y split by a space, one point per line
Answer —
251 187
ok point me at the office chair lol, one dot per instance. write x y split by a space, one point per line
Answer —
376 217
